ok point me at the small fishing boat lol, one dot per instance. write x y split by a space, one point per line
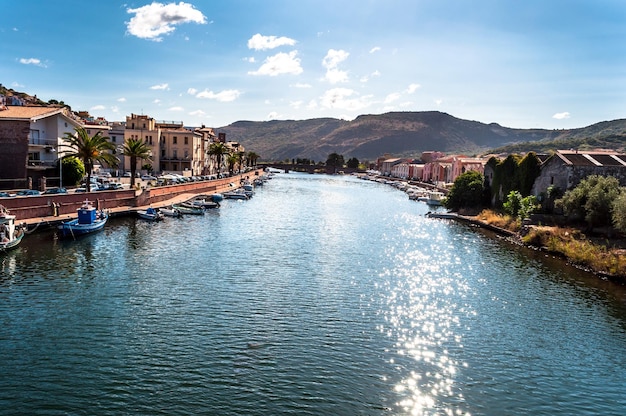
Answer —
10 234
188 209
150 214
236 194
203 203
171 212
89 220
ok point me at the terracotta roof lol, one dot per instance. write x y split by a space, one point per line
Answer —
17 112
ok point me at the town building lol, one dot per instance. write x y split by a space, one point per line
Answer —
31 139
566 168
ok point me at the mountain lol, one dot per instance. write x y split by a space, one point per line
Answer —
401 134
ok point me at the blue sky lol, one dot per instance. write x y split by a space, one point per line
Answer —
523 64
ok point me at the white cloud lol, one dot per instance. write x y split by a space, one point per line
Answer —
295 104
273 115
157 101
281 63
115 109
197 113
392 97
192 91
156 19
160 87
332 59
301 85
176 108
375 49
312 105
412 88
97 108
438 102
339 98
335 76
223 96
32 61
261 43
121 100
251 59
366 78
561 116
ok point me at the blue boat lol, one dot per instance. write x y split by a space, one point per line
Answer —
89 220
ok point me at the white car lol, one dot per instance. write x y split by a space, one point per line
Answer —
148 178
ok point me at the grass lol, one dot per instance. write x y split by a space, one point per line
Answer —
571 243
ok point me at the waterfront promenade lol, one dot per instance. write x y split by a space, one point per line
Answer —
49 210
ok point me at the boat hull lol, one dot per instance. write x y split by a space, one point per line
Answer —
11 244
74 228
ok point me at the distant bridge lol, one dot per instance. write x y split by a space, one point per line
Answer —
294 167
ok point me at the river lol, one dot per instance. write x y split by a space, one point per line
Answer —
321 295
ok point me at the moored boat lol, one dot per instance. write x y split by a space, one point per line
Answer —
171 212
203 203
10 234
89 220
188 209
150 214
236 194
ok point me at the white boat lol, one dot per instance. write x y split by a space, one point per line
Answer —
188 209
171 212
150 214
435 198
236 194
89 220
10 234
203 203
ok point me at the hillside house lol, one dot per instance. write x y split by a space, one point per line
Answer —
566 168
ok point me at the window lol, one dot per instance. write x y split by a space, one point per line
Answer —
150 140
186 154
186 140
174 139
175 155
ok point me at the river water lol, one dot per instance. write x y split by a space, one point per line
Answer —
322 295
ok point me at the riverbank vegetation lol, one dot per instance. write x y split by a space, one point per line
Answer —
586 224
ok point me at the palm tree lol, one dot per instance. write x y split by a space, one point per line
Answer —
252 158
135 149
218 150
232 160
90 150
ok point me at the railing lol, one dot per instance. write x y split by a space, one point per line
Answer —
42 142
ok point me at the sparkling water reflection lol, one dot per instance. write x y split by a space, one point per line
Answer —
321 295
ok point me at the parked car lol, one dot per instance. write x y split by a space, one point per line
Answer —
114 185
148 178
127 175
52 191
5 195
27 192
92 188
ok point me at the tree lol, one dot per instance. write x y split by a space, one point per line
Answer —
353 163
232 160
90 150
135 149
252 158
73 170
619 211
218 150
466 192
591 200
335 160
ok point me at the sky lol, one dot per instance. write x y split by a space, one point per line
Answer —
523 64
